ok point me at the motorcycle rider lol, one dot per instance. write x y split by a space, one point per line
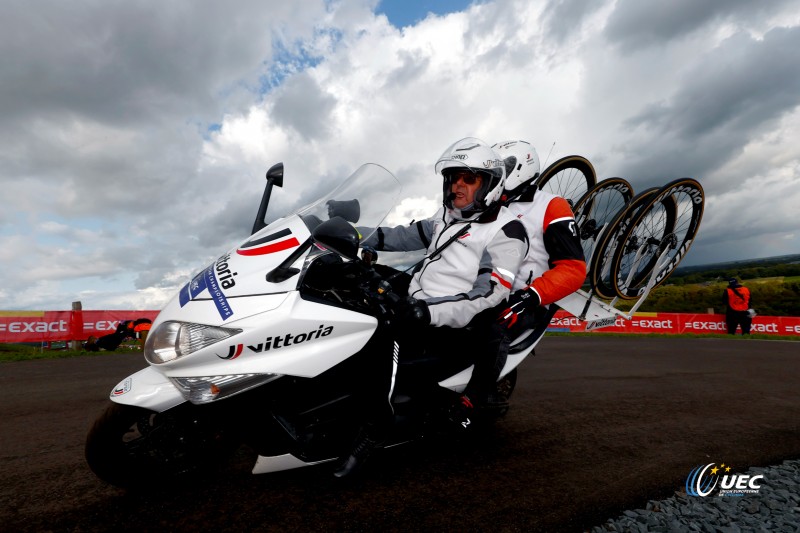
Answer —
474 248
553 268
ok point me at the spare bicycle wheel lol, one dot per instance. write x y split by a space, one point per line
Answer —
600 273
596 209
657 238
570 178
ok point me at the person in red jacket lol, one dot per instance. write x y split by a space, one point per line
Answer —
738 307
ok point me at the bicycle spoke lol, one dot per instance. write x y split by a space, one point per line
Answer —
600 271
569 177
657 238
596 209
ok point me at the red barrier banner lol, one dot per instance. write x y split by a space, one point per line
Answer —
679 323
49 326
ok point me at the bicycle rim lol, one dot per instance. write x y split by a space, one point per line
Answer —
570 178
658 238
596 209
600 278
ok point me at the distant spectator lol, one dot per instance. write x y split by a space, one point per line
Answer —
737 302
142 327
111 341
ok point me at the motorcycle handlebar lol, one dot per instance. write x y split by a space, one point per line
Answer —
377 290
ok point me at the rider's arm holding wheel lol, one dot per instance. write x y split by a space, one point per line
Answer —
565 255
552 268
567 267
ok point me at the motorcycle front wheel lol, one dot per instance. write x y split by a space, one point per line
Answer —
133 447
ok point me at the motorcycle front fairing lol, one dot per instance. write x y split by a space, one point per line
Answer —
241 322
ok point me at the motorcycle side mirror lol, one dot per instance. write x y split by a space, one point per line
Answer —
274 177
275 174
339 236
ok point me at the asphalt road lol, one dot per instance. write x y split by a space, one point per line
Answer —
597 425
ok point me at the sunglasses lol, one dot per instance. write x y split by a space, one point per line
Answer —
468 178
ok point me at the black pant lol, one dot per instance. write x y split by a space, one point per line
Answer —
738 318
491 353
412 359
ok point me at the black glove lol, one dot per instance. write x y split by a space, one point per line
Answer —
368 255
412 311
350 210
518 303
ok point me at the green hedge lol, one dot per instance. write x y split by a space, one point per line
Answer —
771 297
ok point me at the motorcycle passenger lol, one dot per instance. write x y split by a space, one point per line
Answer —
553 268
474 248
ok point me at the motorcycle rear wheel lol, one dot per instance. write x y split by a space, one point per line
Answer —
132 447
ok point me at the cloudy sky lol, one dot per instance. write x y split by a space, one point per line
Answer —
134 136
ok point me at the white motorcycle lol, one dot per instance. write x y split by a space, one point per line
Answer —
263 348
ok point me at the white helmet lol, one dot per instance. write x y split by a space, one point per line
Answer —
522 164
476 156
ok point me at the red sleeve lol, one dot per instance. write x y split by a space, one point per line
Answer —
565 254
558 209
563 279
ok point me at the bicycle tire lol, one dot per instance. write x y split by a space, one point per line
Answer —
600 264
669 222
656 223
596 210
570 178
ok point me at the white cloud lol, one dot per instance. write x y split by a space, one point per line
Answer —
133 153
410 209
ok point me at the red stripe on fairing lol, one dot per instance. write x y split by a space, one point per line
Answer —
270 248
503 282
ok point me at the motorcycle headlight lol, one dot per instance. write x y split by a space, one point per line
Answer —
172 339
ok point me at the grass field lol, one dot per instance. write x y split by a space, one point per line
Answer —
24 352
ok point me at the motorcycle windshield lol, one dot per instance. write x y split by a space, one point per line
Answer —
261 265
365 198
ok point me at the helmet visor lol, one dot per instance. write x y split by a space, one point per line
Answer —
461 173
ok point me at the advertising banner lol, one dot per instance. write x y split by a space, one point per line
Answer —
49 326
679 323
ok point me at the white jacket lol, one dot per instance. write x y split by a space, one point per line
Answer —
473 273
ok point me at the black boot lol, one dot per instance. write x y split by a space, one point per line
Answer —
364 446
493 406
460 414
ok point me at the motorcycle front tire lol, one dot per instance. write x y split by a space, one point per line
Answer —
132 447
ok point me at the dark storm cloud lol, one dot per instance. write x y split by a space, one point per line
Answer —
636 23
722 103
111 100
121 61
741 84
